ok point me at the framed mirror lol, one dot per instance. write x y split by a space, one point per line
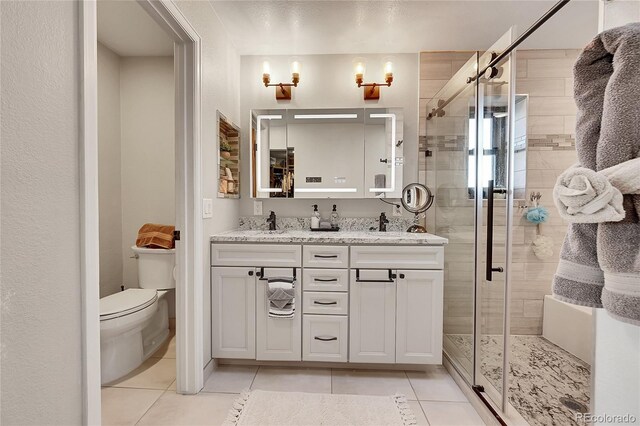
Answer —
327 153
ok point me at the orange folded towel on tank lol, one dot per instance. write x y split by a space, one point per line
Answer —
152 235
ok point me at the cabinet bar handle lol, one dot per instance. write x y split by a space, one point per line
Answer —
391 279
317 302
325 339
326 256
326 280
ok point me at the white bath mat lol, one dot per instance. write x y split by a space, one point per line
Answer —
264 408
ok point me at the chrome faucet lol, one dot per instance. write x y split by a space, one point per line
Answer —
382 227
272 221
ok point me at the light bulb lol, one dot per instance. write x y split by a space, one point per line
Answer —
360 69
295 67
266 69
388 68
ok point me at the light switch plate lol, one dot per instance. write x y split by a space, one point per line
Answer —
396 210
207 208
257 208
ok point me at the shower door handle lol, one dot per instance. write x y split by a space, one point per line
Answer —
489 259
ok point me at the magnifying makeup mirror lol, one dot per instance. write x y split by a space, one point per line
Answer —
417 199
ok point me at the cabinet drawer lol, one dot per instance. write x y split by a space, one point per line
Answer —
325 302
397 257
324 338
325 279
256 255
325 257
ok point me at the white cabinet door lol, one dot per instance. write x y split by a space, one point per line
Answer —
278 339
233 304
419 317
372 316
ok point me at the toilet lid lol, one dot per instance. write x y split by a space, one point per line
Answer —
126 302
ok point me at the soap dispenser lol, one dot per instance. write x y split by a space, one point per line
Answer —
315 217
335 218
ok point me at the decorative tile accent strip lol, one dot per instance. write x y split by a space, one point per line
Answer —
555 142
444 143
552 142
396 224
422 143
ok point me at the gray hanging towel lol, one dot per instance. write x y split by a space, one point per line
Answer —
281 295
380 181
600 262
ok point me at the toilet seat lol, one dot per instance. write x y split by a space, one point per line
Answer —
126 302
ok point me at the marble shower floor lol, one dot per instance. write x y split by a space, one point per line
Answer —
540 374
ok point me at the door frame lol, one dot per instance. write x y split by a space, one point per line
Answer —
190 250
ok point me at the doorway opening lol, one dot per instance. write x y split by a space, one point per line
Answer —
186 193
136 187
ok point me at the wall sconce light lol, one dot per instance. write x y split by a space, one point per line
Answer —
283 90
372 90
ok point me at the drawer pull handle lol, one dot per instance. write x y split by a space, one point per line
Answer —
326 256
326 280
318 302
325 339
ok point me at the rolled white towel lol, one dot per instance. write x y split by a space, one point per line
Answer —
585 196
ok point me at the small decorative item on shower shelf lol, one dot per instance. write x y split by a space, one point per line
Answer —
225 150
542 245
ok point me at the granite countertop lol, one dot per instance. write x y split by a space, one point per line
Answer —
340 237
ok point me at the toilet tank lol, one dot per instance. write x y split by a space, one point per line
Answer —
155 267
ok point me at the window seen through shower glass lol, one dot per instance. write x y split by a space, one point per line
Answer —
487 160
494 139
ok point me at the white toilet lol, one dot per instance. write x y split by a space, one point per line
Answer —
135 322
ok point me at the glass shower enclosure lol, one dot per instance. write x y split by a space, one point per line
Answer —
470 135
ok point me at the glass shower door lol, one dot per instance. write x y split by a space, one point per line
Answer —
469 125
494 209
449 137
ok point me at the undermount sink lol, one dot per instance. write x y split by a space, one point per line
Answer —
272 232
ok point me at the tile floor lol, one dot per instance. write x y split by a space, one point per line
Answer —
147 395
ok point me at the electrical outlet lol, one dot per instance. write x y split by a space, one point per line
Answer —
396 210
207 208
257 208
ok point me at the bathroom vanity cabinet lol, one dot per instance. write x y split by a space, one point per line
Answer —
355 303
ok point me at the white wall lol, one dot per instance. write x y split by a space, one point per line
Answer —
109 176
616 371
220 91
148 150
40 225
614 13
328 81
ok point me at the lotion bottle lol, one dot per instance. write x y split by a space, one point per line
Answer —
315 217
335 218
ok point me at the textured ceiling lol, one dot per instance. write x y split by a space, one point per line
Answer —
128 30
323 27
